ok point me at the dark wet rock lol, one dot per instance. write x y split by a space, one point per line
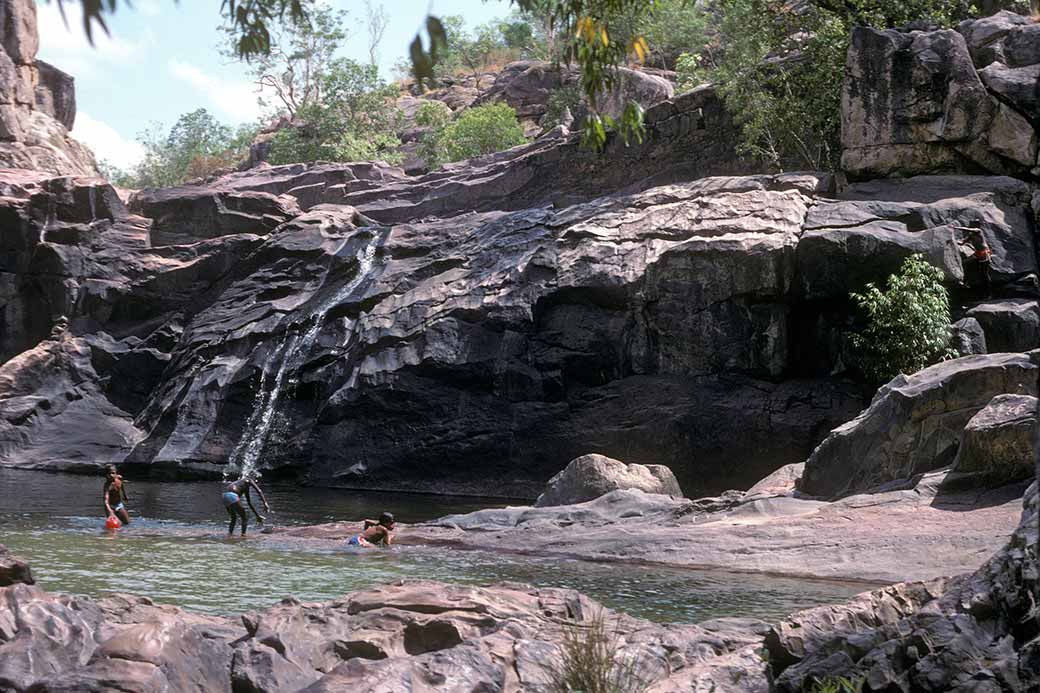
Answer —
1010 324
914 423
998 440
189 214
974 632
967 337
13 570
590 476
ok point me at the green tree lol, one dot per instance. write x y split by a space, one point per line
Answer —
356 120
292 72
586 29
675 27
908 322
484 129
779 72
195 146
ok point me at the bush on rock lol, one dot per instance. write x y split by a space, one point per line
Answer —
480 130
909 322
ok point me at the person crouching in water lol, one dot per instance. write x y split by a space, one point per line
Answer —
376 532
114 495
233 493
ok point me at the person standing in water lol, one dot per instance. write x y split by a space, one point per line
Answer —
233 493
375 532
114 495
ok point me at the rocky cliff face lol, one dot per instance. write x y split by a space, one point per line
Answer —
944 101
322 320
37 101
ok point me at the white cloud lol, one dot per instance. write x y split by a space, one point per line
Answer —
234 99
106 142
149 8
64 42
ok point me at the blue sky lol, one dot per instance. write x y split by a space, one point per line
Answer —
161 60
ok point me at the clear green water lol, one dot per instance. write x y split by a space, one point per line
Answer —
175 551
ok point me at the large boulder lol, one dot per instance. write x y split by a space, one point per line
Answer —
590 476
914 423
998 440
1010 324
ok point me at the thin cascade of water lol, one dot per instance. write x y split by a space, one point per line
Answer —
246 455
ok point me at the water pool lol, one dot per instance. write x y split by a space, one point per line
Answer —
175 551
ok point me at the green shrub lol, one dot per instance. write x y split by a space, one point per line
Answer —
690 72
908 323
780 71
476 131
559 101
355 120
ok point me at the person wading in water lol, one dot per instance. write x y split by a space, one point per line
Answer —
376 532
233 493
114 495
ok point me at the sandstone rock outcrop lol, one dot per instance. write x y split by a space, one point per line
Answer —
943 101
406 636
969 633
998 440
590 476
37 102
914 423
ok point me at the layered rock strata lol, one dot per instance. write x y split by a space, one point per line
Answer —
697 325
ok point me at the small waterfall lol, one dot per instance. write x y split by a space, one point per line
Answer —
290 356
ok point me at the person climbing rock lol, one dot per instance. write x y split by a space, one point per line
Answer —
981 254
114 495
233 493
375 532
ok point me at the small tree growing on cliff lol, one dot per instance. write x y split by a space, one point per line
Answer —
909 322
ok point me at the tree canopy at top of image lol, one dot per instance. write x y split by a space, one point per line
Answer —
594 38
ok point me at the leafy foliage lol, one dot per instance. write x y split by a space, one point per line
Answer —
673 28
590 659
476 131
779 70
690 72
559 101
355 120
908 322
293 71
196 146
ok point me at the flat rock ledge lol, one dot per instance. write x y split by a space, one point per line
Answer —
913 533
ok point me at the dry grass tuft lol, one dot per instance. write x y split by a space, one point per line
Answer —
590 660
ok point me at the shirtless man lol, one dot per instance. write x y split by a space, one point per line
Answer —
375 532
980 253
233 493
114 495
